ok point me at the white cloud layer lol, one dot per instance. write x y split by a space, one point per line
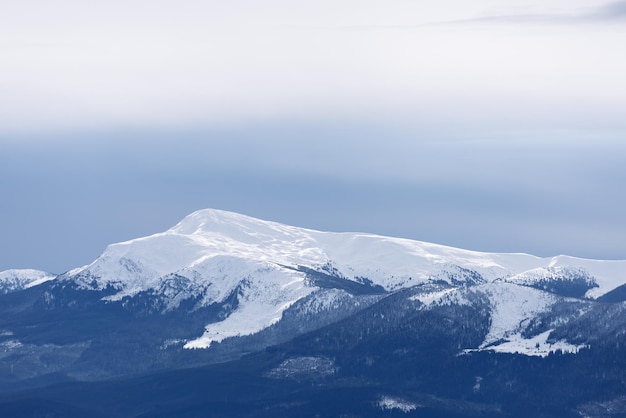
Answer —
71 65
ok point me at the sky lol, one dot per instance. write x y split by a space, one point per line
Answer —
487 125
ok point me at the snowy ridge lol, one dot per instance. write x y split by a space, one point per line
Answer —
450 296
551 273
390 262
19 279
212 253
608 274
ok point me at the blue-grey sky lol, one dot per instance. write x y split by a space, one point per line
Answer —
481 124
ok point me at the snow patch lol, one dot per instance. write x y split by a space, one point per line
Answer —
387 403
535 346
7 346
451 296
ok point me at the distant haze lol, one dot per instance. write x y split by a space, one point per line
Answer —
489 126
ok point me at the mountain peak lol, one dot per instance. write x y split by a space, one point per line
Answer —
18 279
206 220
215 221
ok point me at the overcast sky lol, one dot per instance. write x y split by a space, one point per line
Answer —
488 125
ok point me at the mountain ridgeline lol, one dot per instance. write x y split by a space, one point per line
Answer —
228 315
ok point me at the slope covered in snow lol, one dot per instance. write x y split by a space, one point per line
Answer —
19 279
211 253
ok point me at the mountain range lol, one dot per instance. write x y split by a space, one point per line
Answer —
324 323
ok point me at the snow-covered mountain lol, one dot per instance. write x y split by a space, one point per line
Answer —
212 255
276 304
19 279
